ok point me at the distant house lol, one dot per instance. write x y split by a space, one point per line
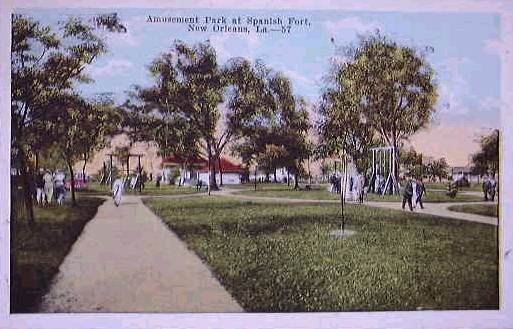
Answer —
190 172
466 172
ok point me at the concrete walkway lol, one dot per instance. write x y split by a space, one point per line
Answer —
441 209
435 209
127 260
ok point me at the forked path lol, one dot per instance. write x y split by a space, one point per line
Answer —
127 260
435 209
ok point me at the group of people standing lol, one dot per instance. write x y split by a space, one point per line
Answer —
489 187
413 191
357 186
50 187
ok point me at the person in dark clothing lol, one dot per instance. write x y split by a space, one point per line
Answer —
486 187
408 194
40 185
492 187
421 190
157 182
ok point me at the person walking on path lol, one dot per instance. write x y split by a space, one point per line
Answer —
408 194
492 185
359 185
40 186
117 190
414 191
60 190
48 186
486 186
421 191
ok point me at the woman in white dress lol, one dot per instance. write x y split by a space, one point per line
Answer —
117 190
48 186
414 197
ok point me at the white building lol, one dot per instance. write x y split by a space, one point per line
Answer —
464 172
194 170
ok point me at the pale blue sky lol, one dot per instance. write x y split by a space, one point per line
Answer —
466 51
464 56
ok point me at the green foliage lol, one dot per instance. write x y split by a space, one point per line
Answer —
393 84
410 158
181 110
280 258
45 68
81 128
438 168
270 122
383 89
486 160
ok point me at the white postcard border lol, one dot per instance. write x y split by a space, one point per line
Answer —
422 319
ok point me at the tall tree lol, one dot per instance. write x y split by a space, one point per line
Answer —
294 129
487 158
411 160
186 95
266 112
45 67
391 85
438 168
81 128
343 127
100 123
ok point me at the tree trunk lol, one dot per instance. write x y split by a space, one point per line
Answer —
255 178
309 173
220 170
127 166
275 179
396 160
72 184
83 169
296 181
36 167
288 178
342 206
212 168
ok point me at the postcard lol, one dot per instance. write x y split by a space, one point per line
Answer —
253 165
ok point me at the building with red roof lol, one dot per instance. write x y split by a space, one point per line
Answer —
190 171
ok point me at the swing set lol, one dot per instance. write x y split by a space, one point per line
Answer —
107 175
383 179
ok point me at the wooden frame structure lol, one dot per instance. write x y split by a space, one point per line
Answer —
384 162
111 165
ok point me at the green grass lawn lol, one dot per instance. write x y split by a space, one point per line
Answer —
150 189
281 258
321 193
443 186
491 210
37 252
